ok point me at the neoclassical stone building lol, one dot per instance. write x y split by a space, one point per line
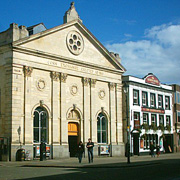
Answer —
60 86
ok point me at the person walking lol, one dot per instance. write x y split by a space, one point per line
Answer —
80 151
90 146
157 150
152 149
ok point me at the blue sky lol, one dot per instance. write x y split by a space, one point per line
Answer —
146 33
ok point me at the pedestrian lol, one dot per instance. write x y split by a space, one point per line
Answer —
90 146
152 149
157 150
80 151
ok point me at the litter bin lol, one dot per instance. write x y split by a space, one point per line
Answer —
20 155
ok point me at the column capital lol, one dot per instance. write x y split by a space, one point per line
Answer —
93 82
63 77
55 76
111 86
85 81
28 71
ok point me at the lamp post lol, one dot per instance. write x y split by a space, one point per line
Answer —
128 124
19 133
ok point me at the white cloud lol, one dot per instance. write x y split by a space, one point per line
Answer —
158 53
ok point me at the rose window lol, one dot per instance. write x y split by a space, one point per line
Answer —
75 42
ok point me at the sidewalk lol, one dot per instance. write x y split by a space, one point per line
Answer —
99 162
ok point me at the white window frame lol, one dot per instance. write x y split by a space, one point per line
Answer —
137 116
162 119
144 98
145 118
152 100
168 118
167 102
135 97
154 119
160 101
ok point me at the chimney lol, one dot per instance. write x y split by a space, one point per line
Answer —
116 56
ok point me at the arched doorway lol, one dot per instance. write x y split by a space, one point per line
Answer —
73 132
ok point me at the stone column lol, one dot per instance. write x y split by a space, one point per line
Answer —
8 100
119 113
28 118
93 120
86 109
55 107
17 106
112 110
63 109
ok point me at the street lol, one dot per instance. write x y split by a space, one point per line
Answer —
140 168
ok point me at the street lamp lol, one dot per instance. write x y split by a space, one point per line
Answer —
128 124
19 133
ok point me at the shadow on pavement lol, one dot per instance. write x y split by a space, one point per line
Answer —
160 169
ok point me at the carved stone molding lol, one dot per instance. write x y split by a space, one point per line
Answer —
111 86
28 71
74 89
55 76
41 84
102 94
93 82
85 81
63 77
102 109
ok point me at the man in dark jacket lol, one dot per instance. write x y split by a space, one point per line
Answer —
80 151
90 146
152 149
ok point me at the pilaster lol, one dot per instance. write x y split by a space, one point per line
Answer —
17 104
112 110
119 113
55 107
86 108
63 118
93 120
8 103
28 117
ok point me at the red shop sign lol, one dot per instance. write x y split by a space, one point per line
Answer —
151 79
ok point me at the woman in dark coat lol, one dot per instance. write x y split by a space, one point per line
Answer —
80 151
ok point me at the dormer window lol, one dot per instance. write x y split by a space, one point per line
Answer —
30 32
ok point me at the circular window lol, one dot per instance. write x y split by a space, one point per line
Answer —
75 42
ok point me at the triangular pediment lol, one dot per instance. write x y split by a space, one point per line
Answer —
71 41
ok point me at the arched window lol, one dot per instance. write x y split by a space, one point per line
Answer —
102 128
40 125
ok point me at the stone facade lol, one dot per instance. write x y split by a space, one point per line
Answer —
66 72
